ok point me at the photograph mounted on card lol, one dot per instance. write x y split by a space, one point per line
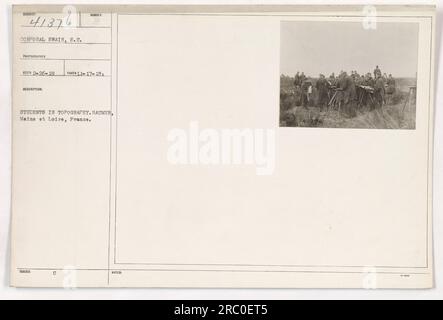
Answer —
222 146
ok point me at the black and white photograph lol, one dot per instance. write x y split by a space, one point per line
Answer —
348 75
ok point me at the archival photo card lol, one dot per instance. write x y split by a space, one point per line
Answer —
180 146
348 74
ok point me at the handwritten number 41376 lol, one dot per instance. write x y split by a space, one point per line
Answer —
41 22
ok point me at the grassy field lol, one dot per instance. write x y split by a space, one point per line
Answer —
396 114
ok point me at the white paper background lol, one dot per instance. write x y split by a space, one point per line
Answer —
13 293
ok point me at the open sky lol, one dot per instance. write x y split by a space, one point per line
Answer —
326 47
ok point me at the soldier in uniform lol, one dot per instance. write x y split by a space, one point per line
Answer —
332 84
348 94
322 91
360 81
297 79
355 75
332 79
302 77
379 91
377 72
306 87
369 81
339 96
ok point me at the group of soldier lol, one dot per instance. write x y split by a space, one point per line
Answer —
346 92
